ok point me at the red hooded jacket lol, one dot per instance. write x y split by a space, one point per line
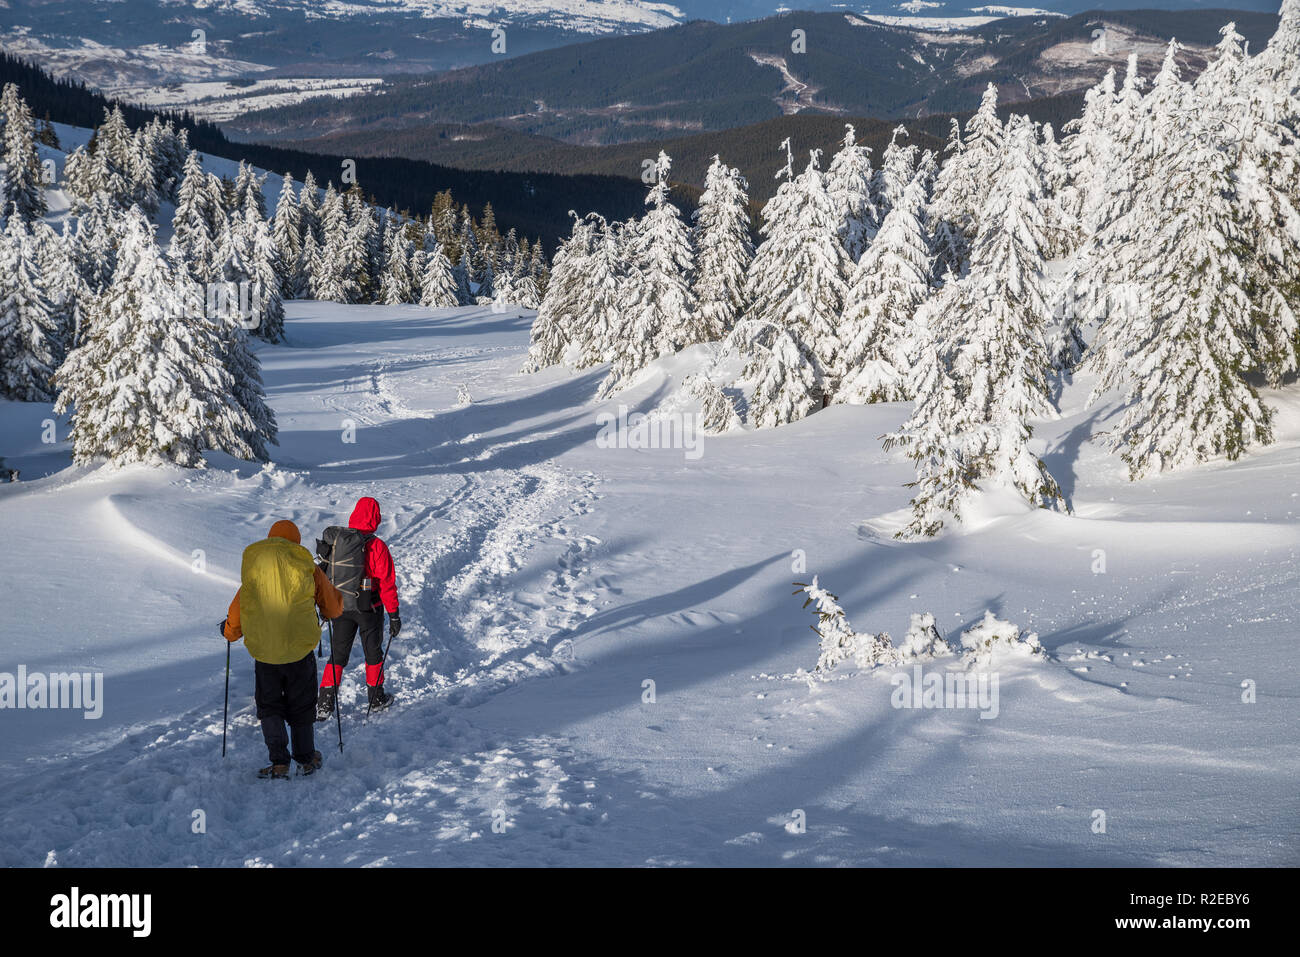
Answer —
379 562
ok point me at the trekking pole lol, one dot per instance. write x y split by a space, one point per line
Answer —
338 686
226 712
382 661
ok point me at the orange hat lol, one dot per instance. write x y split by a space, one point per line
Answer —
286 529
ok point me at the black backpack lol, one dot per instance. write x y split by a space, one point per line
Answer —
341 555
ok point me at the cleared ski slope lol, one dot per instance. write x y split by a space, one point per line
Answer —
546 579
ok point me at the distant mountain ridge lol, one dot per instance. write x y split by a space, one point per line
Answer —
115 44
704 76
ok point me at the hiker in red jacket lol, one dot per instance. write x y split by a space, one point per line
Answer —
377 593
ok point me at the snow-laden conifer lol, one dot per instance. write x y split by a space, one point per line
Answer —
148 383
723 252
849 181
22 191
797 283
29 346
551 331
888 286
197 224
657 299
897 170
438 289
287 234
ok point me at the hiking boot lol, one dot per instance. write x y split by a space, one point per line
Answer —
325 703
312 766
379 698
274 771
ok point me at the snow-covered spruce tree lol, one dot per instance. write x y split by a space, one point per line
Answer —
366 251
790 382
140 173
79 177
959 189
148 383
249 393
166 150
1123 167
999 353
309 203
938 437
597 324
1150 130
1182 356
796 286
438 288
723 251
248 189
235 270
113 139
389 230
1259 124
94 241
245 303
21 191
656 299
927 169
60 279
982 368
108 161
523 288
399 284
1062 229
849 180
311 264
470 254
100 176
502 269
1147 129
503 289
196 225
897 170
334 272
267 278
539 269
1087 151
949 244
363 249
888 286
286 233
550 333
1280 60
29 346
443 223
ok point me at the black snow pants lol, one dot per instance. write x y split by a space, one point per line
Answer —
344 630
286 694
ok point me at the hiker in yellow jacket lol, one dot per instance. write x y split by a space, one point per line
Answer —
274 611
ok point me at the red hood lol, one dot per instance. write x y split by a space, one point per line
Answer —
365 517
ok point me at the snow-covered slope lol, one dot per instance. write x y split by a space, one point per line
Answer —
547 577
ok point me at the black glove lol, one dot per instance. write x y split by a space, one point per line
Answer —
221 628
394 625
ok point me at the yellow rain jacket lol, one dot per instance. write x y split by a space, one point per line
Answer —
280 589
